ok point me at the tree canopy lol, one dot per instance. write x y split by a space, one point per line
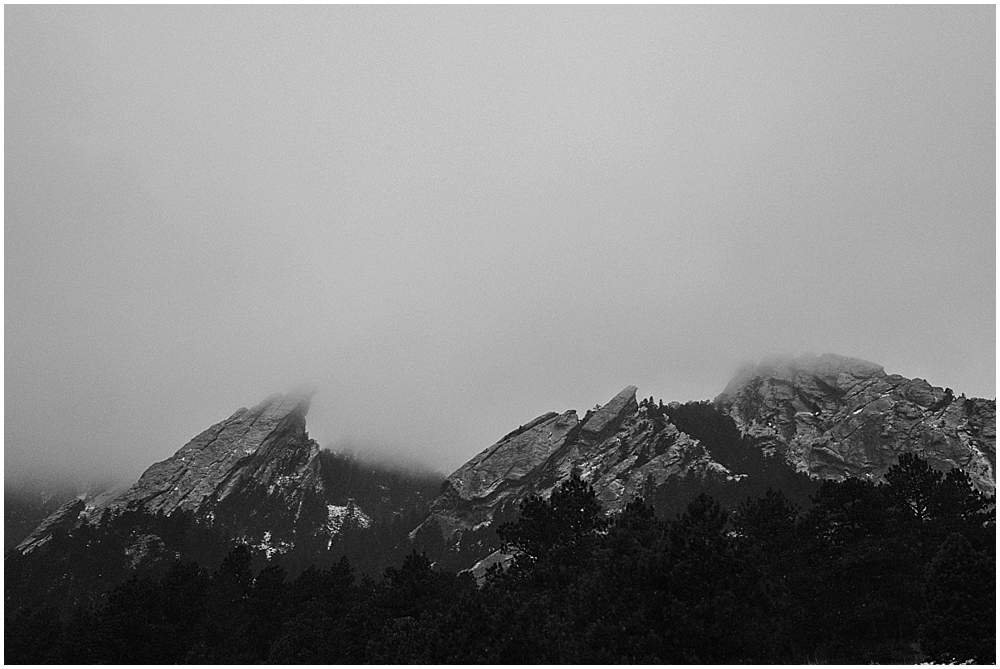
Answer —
898 572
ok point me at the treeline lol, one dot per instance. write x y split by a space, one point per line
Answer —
381 490
899 572
78 567
394 500
755 471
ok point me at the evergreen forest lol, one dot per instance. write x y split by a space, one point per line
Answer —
897 572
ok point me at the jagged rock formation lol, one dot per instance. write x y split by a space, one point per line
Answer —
619 449
255 475
26 504
62 519
836 417
259 477
827 416
257 453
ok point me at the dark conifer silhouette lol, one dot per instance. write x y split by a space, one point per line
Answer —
898 572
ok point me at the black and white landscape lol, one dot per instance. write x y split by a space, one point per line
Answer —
305 308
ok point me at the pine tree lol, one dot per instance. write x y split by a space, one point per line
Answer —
960 615
562 522
912 485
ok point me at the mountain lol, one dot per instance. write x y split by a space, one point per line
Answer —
835 417
893 573
785 423
825 417
257 477
620 448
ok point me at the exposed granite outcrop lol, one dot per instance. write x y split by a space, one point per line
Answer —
266 446
828 416
62 519
257 474
836 417
497 476
609 417
249 475
617 448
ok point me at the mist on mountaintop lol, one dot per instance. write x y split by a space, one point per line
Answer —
451 220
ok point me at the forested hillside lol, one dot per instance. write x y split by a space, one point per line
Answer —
895 573
79 565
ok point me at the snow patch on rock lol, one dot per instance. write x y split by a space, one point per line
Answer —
337 516
271 547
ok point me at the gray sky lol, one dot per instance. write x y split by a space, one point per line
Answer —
453 219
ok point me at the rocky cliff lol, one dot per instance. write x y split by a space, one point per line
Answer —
254 475
62 519
829 417
619 448
835 417
261 450
258 476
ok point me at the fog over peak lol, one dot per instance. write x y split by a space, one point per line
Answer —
450 220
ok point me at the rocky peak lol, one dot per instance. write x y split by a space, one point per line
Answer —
829 369
607 418
250 474
292 405
471 494
616 448
828 416
270 436
834 417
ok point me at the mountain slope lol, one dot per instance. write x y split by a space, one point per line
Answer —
255 476
836 417
827 417
259 478
622 449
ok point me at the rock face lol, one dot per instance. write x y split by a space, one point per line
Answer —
63 518
829 416
617 448
836 417
254 453
258 476
252 475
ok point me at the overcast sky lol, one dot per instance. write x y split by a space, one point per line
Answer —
453 219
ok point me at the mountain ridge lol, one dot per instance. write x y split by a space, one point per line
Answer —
244 473
260 476
859 421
